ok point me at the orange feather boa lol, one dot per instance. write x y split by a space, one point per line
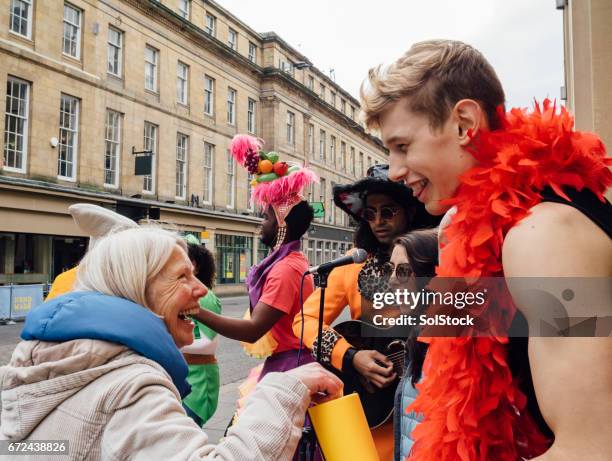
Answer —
471 404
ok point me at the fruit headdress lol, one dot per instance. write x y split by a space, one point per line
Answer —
276 183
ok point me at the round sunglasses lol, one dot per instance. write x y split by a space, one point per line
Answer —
386 213
403 271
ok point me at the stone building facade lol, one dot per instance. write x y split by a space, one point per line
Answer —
88 83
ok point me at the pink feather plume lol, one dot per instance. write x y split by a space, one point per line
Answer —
267 193
241 144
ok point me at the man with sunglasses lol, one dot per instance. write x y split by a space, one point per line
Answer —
383 210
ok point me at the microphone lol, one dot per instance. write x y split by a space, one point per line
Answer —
358 256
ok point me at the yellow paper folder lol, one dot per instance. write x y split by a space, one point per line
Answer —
342 430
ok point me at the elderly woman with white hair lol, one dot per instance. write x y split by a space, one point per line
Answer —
101 366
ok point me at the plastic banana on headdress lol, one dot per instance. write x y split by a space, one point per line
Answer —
276 183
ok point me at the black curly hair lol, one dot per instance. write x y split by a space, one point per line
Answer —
204 263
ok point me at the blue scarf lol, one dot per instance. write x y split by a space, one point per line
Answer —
88 315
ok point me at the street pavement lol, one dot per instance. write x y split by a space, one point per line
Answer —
234 365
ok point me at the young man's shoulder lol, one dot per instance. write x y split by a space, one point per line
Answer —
295 262
556 240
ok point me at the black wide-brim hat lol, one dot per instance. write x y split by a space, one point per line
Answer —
351 198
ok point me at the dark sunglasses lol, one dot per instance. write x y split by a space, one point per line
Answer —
386 213
402 271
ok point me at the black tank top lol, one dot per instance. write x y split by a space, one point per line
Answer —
600 213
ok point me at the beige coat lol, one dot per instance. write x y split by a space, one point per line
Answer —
113 404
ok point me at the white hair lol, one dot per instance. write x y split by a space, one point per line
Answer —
123 262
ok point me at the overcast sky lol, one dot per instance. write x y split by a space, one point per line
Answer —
523 39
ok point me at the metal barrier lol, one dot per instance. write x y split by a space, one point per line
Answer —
17 300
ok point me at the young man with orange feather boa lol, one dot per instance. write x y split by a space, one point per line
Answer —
524 197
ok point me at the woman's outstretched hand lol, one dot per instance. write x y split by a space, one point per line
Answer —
322 384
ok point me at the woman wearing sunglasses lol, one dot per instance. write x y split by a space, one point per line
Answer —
383 210
412 265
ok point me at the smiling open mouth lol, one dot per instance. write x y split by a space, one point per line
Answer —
183 315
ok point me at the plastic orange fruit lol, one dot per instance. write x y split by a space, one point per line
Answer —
265 166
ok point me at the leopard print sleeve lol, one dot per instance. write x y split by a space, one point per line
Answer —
328 340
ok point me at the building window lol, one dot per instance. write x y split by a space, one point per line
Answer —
342 156
343 106
250 204
251 115
68 137
232 39
290 128
252 52
322 91
231 106
209 95
210 24
182 147
352 161
361 165
311 147
151 58
182 83
234 257
184 8
115 49
322 136
112 146
16 125
231 179
332 150
323 196
352 112
333 98
71 42
209 155
150 144
20 18
311 83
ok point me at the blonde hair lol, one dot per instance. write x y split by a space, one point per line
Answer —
435 74
123 262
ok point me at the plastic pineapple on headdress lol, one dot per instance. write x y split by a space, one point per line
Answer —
276 183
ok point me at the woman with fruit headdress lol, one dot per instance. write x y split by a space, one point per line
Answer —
275 283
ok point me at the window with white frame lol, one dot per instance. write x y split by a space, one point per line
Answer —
322 136
210 24
232 39
252 52
343 106
290 128
182 83
332 150
323 196
361 165
251 115
311 145
20 17
342 156
68 137
250 204
150 144
182 148
333 98
184 8
311 83
231 106
115 52
322 91
231 179
352 112
151 59
16 123
352 160
209 95
209 155
112 148
71 41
